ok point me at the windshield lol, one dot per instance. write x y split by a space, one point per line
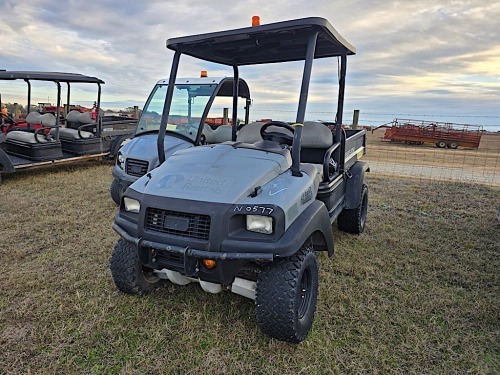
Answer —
188 104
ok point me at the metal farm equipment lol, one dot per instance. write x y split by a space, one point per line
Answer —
442 134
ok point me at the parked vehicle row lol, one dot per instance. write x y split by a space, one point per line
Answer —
42 139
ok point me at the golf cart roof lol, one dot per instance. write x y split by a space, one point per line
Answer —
270 43
48 76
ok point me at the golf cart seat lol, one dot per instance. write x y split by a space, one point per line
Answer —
72 134
250 133
28 137
76 140
76 119
317 138
35 118
220 134
35 146
316 142
315 135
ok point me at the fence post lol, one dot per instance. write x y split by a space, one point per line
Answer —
15 114
355 119
136 111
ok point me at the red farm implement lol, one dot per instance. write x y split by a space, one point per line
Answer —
442 134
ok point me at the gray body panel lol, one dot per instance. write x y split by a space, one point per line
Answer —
143 148
225 174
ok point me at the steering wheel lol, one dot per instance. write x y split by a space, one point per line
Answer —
281 138
9 119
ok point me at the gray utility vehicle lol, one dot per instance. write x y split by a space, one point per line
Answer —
191 104
249 215
60 137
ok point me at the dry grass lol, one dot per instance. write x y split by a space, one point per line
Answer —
417 293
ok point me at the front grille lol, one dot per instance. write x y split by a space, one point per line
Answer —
168 259
197 226
137 168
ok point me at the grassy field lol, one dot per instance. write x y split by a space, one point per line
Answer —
417 293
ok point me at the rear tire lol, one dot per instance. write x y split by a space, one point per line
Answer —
453 145
129 275
115 190
354 220
287 292
441 144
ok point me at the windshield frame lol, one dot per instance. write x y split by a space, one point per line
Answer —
190 115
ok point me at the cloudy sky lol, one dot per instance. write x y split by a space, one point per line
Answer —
423 59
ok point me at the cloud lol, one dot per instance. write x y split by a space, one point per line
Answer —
425 55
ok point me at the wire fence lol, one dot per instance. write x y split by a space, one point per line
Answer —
428 162
425 161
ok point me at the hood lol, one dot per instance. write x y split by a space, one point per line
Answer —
144 147
220 173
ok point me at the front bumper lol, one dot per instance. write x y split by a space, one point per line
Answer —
227 241
124 179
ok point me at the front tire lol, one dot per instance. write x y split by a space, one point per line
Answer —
354 220
115 190
129 275
287 292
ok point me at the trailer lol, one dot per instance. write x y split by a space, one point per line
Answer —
42 139
442 134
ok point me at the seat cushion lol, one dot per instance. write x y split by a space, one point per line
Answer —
80 117
35 118
26 137
250 133
316 135
222 133
72 134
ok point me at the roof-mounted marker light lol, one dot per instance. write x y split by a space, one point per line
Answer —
255 21
203 74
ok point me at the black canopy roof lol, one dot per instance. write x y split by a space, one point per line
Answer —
48 76
270 43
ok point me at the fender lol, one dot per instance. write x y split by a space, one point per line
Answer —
5 163
313 223
117 144
355 184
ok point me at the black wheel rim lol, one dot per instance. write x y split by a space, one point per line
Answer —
305 293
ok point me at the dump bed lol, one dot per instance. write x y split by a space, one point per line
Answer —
355 146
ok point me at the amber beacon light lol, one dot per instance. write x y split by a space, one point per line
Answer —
203 74
255 21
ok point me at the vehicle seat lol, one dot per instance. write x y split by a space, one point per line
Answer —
27 137
222 133
250 133
35 118
316 139
72 134
75 122
75 119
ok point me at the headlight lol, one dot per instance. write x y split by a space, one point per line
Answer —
120 160
260 224
131 205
